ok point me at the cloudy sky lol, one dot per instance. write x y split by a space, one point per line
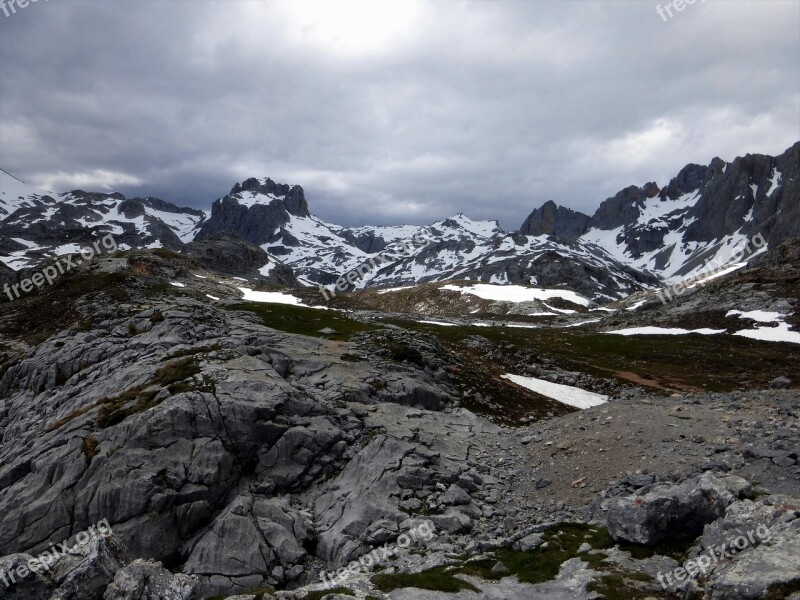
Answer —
392 112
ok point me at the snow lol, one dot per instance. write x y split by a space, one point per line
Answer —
723 272
775 181
397 289
440 323
637 305
67 249
267 268
251 198
212 297
781 333
479 228
269 297
565 394
663 331
563 311
182 224
517 293
177 284
505 324
762 316
583 323
199 276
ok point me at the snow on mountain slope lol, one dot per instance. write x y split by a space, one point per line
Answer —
35 224
643 237
16 194
707 217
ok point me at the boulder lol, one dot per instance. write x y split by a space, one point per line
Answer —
668 512
148 580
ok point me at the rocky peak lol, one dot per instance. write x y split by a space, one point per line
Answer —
293 196
624 208
551 219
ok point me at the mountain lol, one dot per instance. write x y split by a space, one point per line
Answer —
698 218
35 224
276 217
163 439
641 238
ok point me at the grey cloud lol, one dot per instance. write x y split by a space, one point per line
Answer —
484 108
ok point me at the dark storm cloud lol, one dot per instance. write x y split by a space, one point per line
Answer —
389 113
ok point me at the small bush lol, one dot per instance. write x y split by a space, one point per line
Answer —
89 449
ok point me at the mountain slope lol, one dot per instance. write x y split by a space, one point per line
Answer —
36 224
641 238
702 216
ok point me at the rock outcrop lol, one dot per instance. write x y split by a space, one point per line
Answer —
669 512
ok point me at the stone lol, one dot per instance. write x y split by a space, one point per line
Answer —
781 383
500 569
670 511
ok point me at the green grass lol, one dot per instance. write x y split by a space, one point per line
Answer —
677 549
543 564
305 321
716 366
259 593
440 579
35 317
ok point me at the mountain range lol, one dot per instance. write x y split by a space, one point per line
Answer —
643 237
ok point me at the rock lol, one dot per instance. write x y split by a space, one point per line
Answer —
785 459
668 511
500 569
530 542
540 484
760 570
229 254
551 219
638 480
148 580
455 496
781 383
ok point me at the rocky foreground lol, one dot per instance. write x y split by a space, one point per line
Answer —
209 455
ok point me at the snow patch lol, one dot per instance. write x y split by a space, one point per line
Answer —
781 333
269 297
566 394
517 293
664 331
